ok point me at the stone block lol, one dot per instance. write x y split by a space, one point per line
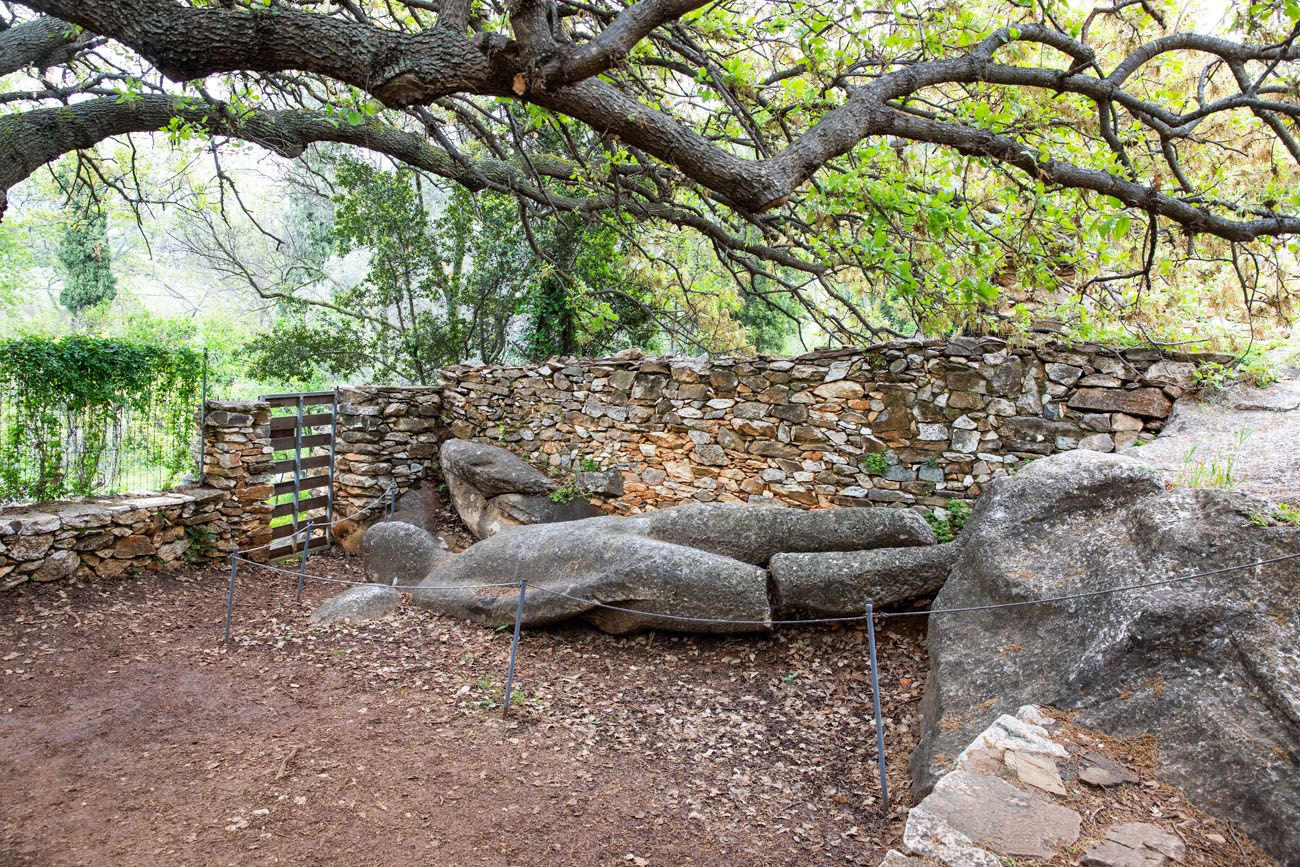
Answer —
842 389
1147 402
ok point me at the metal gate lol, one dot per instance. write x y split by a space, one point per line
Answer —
302 435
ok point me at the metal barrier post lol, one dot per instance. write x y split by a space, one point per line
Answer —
203 417
302 561
230 596
875 706
514 648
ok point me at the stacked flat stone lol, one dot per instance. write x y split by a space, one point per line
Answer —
108 538
385 434
237 460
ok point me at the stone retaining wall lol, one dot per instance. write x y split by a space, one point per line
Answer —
903 423
385 434
114 536
108 538
909 423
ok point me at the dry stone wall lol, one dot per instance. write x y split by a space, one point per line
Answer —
385 434
111 537
237 460
908 423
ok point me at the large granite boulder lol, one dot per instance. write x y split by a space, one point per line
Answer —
493 489
591 562
753 533
841 583
396 552
1210 667
702 563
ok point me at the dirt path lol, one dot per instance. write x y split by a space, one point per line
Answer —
1259 427
128 736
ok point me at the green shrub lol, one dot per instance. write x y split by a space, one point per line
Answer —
875 463
946 529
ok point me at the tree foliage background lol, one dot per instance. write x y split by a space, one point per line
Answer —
494 180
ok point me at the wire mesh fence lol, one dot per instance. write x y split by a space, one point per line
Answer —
138 438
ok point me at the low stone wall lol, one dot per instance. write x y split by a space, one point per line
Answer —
902 423
107 538
114 536
909 423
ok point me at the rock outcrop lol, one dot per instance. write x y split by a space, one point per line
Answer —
355 604
1255 428
1021 790
1207 666
492 490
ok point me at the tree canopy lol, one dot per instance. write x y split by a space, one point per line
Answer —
871 166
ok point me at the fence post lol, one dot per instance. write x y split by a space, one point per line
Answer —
334 437
514 648
875 706
302 561
203 417
230 596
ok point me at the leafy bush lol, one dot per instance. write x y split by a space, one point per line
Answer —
572 489
1253 368
875 463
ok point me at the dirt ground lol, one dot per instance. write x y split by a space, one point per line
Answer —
128 734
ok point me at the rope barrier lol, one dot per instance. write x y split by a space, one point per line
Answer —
295 573
868 617
683 618
686 619
1090 593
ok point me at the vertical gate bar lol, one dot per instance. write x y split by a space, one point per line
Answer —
297 463
514 649
230 596
329 505
302 561
875 706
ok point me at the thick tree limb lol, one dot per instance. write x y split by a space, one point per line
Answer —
545 65
187 43
43 42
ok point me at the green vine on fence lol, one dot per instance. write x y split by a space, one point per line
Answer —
63 406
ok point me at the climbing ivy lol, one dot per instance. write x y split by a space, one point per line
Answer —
74 411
